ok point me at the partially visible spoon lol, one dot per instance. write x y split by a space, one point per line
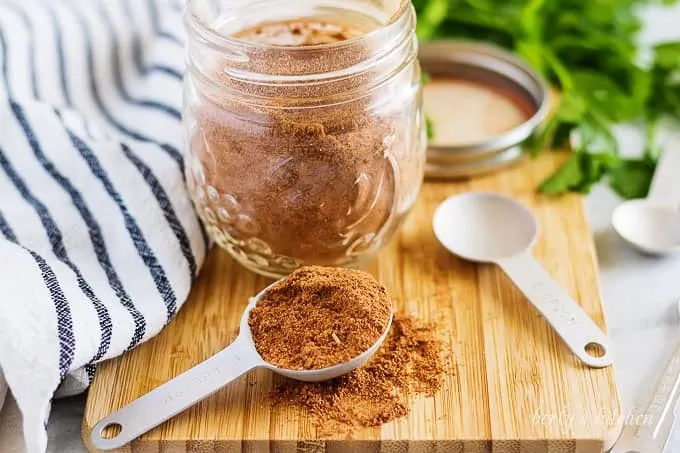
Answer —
652 225
657 415
490 228
203 380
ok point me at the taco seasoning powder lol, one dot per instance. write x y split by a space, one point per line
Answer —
306 137
319 317
410 363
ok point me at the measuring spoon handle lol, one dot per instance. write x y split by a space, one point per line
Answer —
665 187
565 315
654 419
176 395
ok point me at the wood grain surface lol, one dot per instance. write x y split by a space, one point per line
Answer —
511 385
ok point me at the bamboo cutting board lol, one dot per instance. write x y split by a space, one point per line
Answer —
511 385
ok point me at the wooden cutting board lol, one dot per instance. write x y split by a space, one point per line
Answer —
511 385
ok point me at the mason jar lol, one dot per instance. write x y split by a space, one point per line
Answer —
305 133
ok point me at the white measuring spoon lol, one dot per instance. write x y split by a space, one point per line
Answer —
656 417
203 380
652 225
490 228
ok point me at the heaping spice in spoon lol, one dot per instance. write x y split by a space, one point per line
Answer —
323 316
319 317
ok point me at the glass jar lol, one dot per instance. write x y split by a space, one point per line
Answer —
306 137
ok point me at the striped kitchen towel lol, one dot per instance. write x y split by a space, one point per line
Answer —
99 243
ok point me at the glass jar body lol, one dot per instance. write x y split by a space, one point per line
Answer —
290 165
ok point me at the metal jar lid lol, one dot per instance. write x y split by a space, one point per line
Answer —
497 69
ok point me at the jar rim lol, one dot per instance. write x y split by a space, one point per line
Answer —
193 22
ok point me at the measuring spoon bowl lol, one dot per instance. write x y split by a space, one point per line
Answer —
488 227
484 227
652 225
203 380
653 229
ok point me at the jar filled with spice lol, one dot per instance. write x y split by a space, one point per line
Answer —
306 137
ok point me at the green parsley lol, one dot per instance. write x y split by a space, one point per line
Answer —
589 51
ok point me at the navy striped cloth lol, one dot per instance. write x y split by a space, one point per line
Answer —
99 243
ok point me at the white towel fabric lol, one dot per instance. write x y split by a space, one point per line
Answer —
99 243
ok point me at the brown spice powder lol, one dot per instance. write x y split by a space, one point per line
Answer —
298 33
287 174
409 363
319 317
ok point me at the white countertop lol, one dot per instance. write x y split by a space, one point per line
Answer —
641 296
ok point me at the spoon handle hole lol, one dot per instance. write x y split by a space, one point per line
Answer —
578 331
111 431
174 396
595 350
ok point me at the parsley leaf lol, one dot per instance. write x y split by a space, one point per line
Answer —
568 177
632 178
429 125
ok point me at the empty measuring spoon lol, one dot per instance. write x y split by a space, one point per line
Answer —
490 228
652 225
205 379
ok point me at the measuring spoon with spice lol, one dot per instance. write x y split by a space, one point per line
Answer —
315 325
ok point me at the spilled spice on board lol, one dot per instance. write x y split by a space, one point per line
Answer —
319 317
409 363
